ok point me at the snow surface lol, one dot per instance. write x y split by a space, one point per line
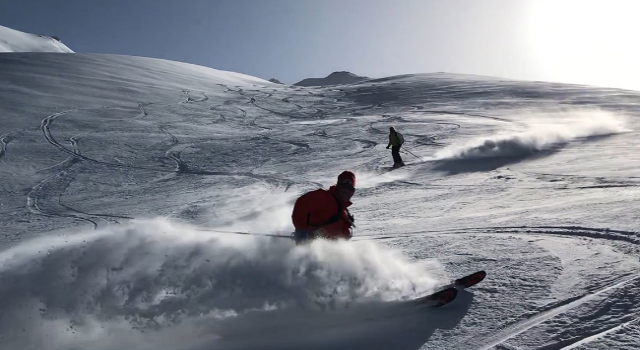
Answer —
15 41
121 177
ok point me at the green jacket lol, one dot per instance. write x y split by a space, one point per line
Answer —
393 139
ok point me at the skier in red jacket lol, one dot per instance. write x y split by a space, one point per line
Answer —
323 213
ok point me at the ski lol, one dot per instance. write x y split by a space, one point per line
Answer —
470 280
439 298
448 293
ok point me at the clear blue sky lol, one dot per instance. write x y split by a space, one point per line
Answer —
579 41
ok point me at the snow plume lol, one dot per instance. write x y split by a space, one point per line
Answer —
550 131
155 284
255 208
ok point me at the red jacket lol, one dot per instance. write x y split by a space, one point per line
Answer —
313 211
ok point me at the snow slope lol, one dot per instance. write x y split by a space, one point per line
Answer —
15 41
122 178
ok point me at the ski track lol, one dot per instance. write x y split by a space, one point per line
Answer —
580 341
111 216
571 231
253 123
191 99
45 126
366 143
143 111
597 233
523 326
55 183
181 167
294 143
75 139
375 130
254 102
467 114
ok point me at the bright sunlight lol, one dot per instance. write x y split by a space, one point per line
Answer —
587 41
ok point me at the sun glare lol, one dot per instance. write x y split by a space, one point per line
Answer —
587 41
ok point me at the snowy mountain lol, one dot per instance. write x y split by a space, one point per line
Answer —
335 78
124 178
15 41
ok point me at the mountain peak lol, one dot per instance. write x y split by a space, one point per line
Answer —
12 40
335 78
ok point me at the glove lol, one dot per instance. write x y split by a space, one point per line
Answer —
301 236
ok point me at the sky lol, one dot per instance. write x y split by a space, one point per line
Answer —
575 41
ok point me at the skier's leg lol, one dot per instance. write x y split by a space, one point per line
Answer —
395 152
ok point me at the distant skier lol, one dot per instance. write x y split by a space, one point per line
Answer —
395 141
323 213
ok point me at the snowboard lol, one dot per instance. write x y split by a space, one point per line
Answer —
449 293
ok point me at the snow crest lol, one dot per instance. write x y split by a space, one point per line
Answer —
168 281
15 41
552 131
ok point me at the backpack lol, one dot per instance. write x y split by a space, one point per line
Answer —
400 139
337 216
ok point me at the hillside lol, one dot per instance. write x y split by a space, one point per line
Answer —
128 184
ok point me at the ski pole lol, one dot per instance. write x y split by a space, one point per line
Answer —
411 153
245 233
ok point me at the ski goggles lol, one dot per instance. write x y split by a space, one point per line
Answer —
346 185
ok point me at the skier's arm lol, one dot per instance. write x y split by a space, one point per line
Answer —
301 212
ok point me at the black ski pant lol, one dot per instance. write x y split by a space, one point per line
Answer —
395 152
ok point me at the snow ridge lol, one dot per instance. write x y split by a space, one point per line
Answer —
15 41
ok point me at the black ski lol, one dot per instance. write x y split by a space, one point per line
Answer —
470 280
439 298
449 293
